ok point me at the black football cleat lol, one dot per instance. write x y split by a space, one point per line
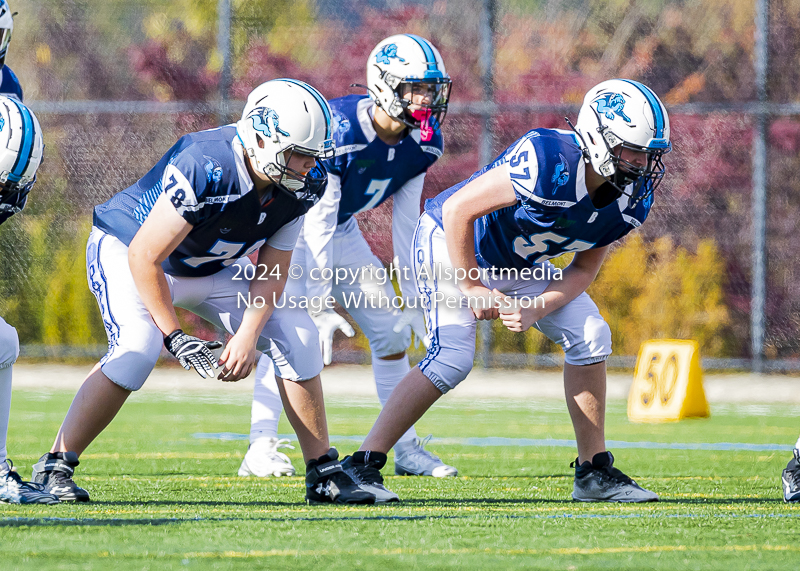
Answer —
326 482
54 473
365 470
600 481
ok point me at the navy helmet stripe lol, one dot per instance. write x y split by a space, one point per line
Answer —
26 149
654 105
426 49
320 99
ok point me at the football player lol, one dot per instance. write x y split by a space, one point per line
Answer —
550 193
791 476
21 149
386 141
9 84
180 237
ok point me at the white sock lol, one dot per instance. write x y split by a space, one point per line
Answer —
267 405
5 409
388 373
796 446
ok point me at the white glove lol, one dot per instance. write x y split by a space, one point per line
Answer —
416 319
327 323
193 352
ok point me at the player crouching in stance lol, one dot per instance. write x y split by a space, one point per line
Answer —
180 237
549 193
21 150
385 142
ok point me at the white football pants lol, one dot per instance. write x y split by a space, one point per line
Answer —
577 327
9 351
134 341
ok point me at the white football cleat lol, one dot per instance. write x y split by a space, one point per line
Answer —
411 459
14 491
263 459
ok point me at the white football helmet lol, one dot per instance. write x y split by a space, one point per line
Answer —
21 147
281 117
6 27
408 59
621 113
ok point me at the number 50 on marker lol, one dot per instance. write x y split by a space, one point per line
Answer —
667 383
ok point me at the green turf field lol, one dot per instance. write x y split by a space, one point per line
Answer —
165 499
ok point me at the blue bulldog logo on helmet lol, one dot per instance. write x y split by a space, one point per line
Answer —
265 120
389 51
610 104
2 123
561 174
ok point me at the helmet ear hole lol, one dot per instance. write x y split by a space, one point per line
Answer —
260 141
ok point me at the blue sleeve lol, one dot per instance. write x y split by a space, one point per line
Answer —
9 85
522 166
185 183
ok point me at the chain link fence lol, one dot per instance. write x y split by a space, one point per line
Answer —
115 83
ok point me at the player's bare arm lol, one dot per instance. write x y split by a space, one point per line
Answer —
577 277
239 355
158 237
487 193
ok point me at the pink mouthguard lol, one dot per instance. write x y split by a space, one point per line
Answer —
425 127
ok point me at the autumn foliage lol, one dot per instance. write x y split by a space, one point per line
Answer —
686 273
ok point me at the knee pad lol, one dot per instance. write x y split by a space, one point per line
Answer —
291 340
450 357
596 344
385 343
131 358
9 345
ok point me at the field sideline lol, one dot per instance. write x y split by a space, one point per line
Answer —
166 495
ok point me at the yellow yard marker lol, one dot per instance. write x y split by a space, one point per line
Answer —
667 383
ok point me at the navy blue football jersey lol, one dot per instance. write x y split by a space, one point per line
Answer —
206 179
9 84
370 170
553 214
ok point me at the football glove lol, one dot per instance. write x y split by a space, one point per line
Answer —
327 322
414 317
193 352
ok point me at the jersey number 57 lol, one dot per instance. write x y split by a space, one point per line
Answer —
549 244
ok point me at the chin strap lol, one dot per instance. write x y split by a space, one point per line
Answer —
588 159
364 87
584 146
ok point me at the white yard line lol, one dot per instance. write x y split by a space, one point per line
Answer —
356 381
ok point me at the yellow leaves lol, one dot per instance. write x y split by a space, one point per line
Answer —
196 17
156 25
69 306
658 290
214 61
43 55
296 33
